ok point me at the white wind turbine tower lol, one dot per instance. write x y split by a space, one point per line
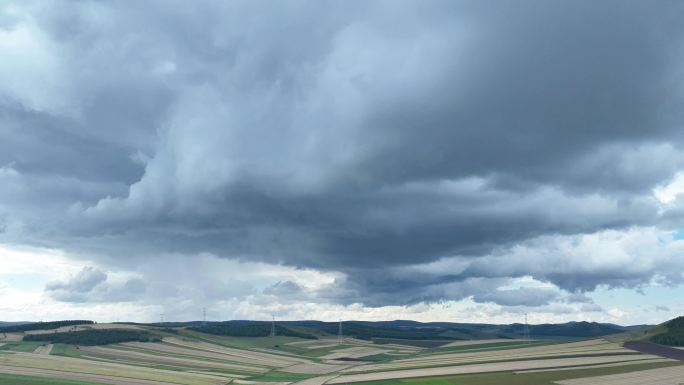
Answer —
526 331
340 336
272 326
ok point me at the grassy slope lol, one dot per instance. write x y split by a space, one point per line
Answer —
65 350
26 347
510 378
382 358
659 334
417 343
241 342
278 343
316 352
277 376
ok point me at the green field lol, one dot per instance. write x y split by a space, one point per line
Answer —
65 350
277 342
510 378
21 346
12 379
277 376
316 352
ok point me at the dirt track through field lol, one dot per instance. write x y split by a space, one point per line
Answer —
480 342
131 355
327 343
663 376
484 368
107 326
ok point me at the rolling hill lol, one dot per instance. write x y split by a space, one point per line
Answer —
670 333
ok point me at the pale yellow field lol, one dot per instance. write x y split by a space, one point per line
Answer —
356 352
112 380
176 349
67 364
131 355
664 376
567 349
102 326
484 368
254 357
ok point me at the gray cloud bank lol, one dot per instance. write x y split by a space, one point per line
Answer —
92 285
428 150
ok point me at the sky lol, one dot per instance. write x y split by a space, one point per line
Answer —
461 161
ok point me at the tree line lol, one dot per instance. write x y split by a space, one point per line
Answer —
43 326
674 336
94 337
250 330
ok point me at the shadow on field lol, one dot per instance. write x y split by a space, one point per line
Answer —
658 350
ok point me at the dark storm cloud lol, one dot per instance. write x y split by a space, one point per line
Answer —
369 140
519 297
283 288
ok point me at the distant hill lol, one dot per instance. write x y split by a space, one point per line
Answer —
576 329
254 329
382 330
413 330
3 323
669 333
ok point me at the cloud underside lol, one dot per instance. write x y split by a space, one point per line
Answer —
420 151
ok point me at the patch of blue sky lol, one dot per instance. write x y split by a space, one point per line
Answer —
25 281
660 303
